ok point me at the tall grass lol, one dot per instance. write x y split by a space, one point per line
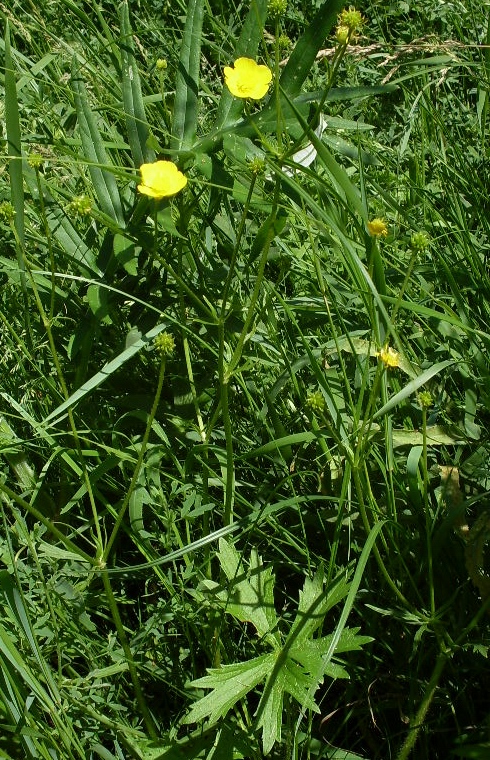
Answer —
244 437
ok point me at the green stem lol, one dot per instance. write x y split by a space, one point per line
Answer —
121 633
403 288
139 464
236 248
367 528
47 524
418 721
225 411
271 232
47 232
223 379
425 474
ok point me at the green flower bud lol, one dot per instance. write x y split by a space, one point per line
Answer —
284 42
425 399
35 160
257 166
342 34
277 8
351 18
7 212
81 205
165 344
419 242
316 402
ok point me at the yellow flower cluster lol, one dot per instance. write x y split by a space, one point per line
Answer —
246 79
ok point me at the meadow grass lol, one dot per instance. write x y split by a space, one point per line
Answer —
244 426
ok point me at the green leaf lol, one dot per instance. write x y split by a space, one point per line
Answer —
134 109
184 124
14 147
229 683
250 599
314 604
336 171
303 56
98 301
103 375
413 386
126 254
296 668
104 182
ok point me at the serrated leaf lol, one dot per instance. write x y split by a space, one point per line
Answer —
229 683
314 603
269 712
250 599
299 666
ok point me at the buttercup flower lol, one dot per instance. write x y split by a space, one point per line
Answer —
248 79
377 227
389 357
161 179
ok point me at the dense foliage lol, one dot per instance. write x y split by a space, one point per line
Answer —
244 389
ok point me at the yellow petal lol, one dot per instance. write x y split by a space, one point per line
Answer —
161 179
248 79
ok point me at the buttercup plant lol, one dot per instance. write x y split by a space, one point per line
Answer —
239 360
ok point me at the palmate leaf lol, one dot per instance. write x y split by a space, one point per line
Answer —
298 663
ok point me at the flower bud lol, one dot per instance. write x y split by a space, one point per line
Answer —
316 402
419 242
7 212
165 344
277 8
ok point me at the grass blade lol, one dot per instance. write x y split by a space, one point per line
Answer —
104 374
12 123
303 56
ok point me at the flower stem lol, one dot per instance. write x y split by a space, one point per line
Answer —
418 721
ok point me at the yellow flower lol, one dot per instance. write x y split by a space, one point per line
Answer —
389 357
248 79
377 227
161 179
